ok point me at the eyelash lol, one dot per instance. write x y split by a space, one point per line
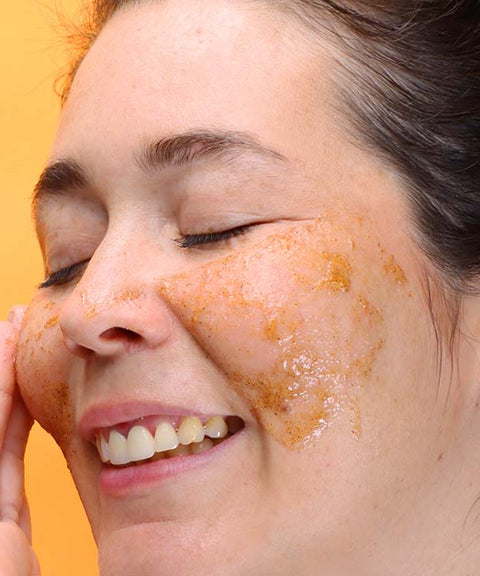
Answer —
191 240
65 275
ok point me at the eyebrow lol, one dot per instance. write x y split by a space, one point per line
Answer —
57 178
65 175
185 149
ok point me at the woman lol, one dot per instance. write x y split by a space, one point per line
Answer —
258 338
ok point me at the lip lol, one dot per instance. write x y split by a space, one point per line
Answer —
134 480
109 415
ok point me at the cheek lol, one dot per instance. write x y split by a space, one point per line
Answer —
293 323
41 368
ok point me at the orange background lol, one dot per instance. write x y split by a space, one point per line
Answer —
31 55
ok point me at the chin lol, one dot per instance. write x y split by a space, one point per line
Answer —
139 551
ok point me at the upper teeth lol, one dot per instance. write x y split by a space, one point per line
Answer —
140 444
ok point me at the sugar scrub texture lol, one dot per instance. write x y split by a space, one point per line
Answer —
304 333
295 321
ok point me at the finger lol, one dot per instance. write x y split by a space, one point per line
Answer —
8 343
35 564
16 555
25 521
16 315
12 491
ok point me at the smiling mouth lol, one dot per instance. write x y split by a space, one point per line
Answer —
151 439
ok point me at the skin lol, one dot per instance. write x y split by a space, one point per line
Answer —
314 326
16 555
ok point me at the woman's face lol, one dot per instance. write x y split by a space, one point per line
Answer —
311 325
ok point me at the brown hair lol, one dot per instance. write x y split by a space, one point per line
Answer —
410 83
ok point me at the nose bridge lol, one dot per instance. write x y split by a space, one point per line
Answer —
116 302
117 274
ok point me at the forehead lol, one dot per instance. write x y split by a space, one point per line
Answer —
158 69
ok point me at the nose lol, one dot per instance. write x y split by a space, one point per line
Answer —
108 314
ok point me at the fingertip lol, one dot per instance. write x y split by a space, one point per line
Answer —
8 333
16 315
8 347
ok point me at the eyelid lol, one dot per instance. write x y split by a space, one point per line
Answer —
69 273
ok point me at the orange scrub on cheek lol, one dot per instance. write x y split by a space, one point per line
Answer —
293 321
291 324
40 372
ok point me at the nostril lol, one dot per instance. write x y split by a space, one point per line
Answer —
77 349
118 333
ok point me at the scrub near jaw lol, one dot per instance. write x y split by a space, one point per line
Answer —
259 322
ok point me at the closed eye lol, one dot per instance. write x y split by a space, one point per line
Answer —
191 240
64 275
69 273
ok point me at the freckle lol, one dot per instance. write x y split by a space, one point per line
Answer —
393 270
440 457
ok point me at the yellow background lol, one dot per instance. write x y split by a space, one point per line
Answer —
31 55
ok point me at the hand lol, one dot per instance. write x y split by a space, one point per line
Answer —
16 554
